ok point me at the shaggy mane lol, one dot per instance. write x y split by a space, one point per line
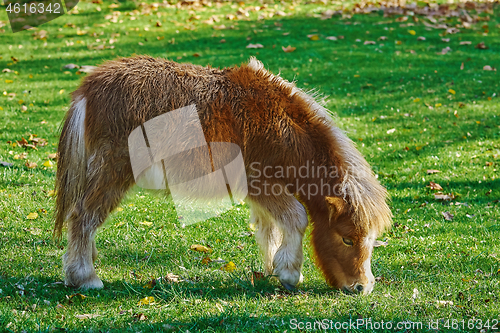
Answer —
359 186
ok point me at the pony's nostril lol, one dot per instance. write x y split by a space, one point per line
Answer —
359 288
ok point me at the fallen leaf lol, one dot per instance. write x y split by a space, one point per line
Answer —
200 248
206 260
444 303
451 91
6 164
48 164
447 216
71 66
421 38
255 46
51 193
146 223
170 277
229 267
392 130
30 165
32 216
256 276
87 69
434 186
432 171
465 42
481 46
219 27
369 42
78 295
441 196
331 38
488 68
146 301
288 49
313 37
139 316
445 50
87 316
53 156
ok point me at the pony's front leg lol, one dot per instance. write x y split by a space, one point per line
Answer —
267 235
290 217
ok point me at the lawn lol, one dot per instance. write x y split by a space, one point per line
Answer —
418 94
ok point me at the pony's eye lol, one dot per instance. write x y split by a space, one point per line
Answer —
347 241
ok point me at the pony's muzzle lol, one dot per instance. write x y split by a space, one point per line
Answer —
358 289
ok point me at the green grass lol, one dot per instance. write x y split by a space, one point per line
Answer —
445 118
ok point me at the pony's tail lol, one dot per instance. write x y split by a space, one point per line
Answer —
71 165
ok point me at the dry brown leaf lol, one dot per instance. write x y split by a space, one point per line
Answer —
432 171
481 46
30 165
288 49
434 186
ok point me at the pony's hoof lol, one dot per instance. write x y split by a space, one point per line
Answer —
288 286
93 284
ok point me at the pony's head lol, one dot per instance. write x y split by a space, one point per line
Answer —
345 232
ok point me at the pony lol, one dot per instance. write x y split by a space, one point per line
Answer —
301 169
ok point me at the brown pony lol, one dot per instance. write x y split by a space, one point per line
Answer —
297 163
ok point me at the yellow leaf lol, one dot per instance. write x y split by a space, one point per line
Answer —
412 32
1 108
61 91
229 267
200 248
313 37
416 100
478 122
146 223
451 91
48 164
9 81
20 101
356 75
147 300
51 193
30 76
119 209
438 104
32 216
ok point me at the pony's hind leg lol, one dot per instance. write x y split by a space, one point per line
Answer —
290 217
104 188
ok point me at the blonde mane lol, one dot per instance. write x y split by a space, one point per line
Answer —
359 187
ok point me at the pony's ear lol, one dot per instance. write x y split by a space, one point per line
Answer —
336 206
